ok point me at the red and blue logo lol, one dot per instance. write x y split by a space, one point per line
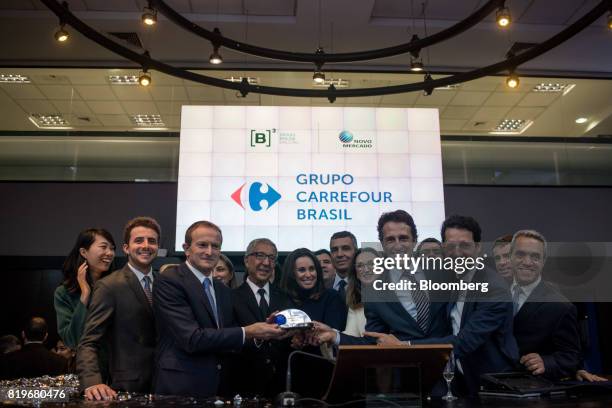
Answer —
254 196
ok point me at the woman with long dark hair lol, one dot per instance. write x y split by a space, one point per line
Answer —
302 280
360 275
90 259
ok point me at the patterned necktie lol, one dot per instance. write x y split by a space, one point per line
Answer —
516 292
263 305
341 289
147 289
211 299
421 301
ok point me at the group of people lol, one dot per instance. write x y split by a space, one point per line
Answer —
190 329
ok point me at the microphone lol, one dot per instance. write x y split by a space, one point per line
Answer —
289 398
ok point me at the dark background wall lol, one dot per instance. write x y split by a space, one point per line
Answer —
39 223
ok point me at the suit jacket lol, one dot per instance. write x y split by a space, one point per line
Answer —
390 317
120 315
191 351
262 366
546 324
484 343
33 360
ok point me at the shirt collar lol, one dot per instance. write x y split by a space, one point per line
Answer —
199 274
337 280
256 288
139 274
527 289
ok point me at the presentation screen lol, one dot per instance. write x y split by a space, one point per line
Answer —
296 175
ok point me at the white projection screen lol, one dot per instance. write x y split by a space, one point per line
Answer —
296 175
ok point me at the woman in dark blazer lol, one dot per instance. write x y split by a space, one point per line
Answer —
90 259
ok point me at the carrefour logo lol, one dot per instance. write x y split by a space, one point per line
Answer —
345 136
255 196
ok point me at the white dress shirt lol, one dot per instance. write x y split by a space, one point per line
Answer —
337 280
140 276
457 310
256 288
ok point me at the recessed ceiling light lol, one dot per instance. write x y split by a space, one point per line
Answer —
14 79
123 79
511 127
336 82
551 87
146 120
251 80
581 120
49 121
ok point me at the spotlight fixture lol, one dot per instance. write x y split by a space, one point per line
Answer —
610 20
503 17
149 16
318 77
581 120
429 90
416 65
513 80
61 35
144 79
215 58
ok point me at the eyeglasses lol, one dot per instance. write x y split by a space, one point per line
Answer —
260 256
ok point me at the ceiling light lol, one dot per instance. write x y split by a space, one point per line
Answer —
146 120
510 125
513 81
581 120
144 79
14 79
149 16
610 21
318 78
123 79
215 58
550 87
452 87
416 65
336 82
49 121
250 80
61 35
503 17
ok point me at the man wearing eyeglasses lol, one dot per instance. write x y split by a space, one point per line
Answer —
262 363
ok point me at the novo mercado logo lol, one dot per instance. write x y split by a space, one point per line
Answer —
348 140
255 195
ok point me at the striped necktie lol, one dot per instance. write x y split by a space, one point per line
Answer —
147 289
421 301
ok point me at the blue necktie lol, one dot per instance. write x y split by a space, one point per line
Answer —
211 299
147 289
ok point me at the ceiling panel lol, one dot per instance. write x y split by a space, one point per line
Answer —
539 99
212 6
111 5
270 7
459 112
171 108
181 6
541 12
452 124
169 93
525 113
489 114
503 99
465 98
96 92
59 92
135 108
106 107
115 121
132 92
76 107
22 91
406 99
437 98
37 106
204 93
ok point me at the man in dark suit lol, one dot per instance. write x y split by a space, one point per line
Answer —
545 323
405 315
262 364
33 359
194 314
342 245
121 316
481 322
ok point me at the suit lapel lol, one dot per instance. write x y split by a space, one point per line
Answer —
196 289
136 288
397 306
250 301
532 303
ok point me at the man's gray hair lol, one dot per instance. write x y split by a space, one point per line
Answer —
257 241
529 234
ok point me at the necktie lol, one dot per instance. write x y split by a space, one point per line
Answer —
147 289
263 305
341 289
516 292
421 301
211 299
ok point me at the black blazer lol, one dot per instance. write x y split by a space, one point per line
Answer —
120 315
546 324
262 366
191 351
33 360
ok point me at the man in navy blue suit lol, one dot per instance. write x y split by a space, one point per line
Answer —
194 316
481 321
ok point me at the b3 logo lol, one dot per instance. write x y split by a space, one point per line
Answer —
256 196
261 137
